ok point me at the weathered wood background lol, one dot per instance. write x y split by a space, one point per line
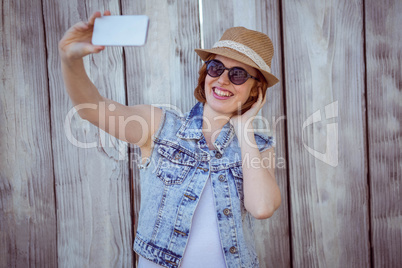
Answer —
336 116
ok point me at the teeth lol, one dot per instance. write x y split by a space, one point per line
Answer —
222 93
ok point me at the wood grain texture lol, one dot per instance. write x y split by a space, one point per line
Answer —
92 184
324 69
165 71
272 235
27 208
384 97
65 206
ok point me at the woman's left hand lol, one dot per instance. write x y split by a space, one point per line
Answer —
247 118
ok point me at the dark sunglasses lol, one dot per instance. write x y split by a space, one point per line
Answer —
237 75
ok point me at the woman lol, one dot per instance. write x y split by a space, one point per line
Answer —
203 178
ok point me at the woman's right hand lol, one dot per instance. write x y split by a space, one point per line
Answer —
77 41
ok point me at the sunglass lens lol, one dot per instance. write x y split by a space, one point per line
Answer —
215 68
238 76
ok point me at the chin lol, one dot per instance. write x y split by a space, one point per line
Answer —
219 107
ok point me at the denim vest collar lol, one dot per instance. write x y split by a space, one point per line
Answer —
192 129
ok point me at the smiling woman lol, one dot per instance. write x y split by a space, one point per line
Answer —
63 205
220 89
195 183
199 91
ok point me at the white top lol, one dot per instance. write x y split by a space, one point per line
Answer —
204 245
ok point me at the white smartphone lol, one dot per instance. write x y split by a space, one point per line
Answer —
127 30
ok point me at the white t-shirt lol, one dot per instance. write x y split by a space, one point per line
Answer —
204 245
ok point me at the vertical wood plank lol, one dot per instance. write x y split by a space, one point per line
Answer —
27 207
165 71
384 97
217 17
324 69
272 235
92 184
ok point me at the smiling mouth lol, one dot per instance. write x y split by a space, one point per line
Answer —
222 93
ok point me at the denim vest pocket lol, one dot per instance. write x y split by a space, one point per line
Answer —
174 164
237 173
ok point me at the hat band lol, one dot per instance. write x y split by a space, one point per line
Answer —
246 51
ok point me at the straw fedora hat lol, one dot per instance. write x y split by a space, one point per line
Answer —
246 46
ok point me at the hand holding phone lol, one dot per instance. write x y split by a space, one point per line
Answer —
127 30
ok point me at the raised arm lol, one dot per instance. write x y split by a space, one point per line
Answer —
133 124
261 192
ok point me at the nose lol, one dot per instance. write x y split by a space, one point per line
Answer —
224 78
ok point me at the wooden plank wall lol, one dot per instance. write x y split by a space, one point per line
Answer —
27 199
384 105
323 62
91 184
336 116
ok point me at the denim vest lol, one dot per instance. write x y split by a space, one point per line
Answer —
172 181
